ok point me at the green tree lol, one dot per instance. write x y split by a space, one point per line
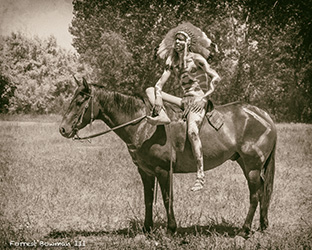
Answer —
36 75
265 47
283 30
141 25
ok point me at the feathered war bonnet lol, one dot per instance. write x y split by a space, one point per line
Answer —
199 42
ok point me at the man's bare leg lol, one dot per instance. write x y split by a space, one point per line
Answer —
162 117
194 121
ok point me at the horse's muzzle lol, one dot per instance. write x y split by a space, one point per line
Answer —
67 134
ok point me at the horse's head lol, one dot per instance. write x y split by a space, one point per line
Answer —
81 110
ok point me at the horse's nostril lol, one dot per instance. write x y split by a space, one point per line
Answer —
62 130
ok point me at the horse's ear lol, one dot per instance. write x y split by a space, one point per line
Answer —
85 84
78 83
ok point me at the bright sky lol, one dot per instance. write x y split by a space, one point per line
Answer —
38 17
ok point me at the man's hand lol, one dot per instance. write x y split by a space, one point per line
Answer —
158 106
199 105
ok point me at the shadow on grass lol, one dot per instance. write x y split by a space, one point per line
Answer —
223 229
135 228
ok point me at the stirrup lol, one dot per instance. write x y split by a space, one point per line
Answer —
199 184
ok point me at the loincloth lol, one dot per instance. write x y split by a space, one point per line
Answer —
188 103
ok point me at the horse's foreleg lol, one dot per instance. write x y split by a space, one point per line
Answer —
164 182
148 183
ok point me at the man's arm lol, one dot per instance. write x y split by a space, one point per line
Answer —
211 72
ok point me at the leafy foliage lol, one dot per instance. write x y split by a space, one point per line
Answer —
263 47
265 53
36 75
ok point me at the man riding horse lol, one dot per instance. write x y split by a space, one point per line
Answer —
186 50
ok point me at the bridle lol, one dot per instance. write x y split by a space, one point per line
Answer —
134 121
79 120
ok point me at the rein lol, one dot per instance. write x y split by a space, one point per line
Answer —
91 98
139 119
110 130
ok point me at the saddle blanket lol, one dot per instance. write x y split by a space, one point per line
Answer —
215 119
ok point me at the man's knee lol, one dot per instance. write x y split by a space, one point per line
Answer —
150 91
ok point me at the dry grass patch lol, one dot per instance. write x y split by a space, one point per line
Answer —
55 190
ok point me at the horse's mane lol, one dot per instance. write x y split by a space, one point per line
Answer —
130 104
115 100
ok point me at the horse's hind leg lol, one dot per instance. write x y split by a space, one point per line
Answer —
267 189
254 183
164 182
257 161
148 183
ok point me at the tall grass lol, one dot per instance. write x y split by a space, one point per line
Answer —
54 189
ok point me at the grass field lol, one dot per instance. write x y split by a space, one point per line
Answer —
57 191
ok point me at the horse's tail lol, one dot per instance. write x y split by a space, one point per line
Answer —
268 181
269 175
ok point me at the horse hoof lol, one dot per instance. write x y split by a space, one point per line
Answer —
263 227
244 233
171 231
147 229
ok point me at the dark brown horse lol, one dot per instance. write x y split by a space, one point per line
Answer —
248 136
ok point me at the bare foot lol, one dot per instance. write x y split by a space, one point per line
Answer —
158 120
199 184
